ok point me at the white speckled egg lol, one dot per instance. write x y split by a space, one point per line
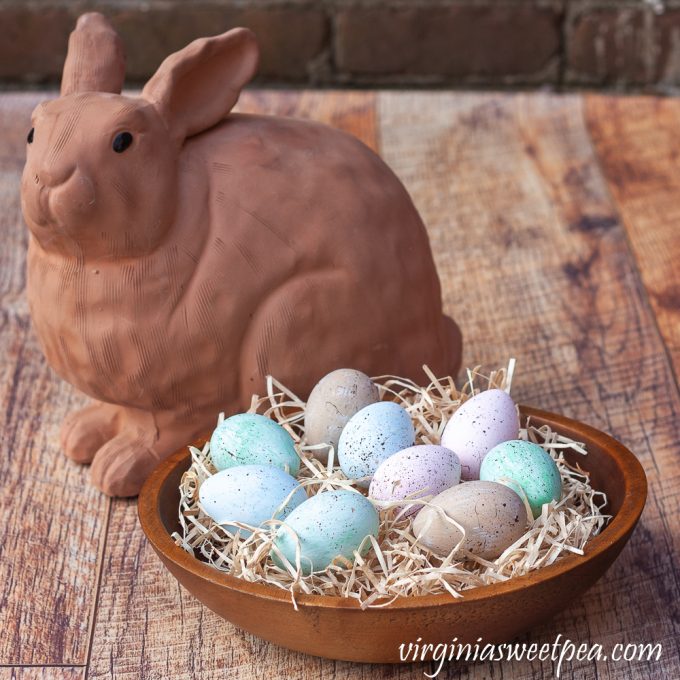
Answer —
483 421
416 472
493 517
372 435
328 525
333 401
250 494
252 439
528 466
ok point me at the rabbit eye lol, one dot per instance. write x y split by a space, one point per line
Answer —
121 141
29 139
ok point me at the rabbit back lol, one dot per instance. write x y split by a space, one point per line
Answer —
334 262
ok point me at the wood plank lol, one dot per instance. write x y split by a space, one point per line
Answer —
637 142
535 264
53 521
42 673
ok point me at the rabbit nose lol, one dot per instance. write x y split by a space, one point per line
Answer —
50 176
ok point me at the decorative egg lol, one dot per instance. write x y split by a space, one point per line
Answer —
416 472
530 468
252 439
328 525
250 494
372 435
333 401
493 517
483 421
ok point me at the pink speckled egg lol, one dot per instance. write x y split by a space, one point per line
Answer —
484 421
416 472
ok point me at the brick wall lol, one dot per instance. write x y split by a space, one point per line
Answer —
625 44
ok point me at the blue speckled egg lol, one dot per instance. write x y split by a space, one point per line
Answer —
524 466
252 439
328 525
372 435
250 494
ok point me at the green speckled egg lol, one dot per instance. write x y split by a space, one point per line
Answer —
330 524
252 439
529 466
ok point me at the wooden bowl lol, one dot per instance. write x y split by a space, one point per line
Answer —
337 628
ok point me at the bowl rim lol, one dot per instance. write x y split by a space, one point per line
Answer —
635 495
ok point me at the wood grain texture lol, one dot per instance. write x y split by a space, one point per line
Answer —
534 262
637 142
53 521
43 673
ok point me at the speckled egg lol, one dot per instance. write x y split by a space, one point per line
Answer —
328 525
493 517
483 421
529 467
416 472
252 439
333 401
372 435
250 494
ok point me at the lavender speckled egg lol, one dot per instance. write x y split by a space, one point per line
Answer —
493 517
252 439
416 472
333 401
250 494
328 525
482 422
372 435
527 466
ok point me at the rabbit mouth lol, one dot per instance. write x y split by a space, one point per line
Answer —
56 206
44 205
41 214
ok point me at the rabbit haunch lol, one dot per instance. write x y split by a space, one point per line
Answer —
169 275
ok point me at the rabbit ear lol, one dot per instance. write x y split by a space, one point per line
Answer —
95 61
196 87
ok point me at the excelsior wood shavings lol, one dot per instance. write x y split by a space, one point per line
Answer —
396 565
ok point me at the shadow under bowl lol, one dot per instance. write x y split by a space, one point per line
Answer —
337 628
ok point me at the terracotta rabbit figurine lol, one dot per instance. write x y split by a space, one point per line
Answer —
179 253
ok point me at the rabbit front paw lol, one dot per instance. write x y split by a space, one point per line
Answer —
142 440
85 431
120 466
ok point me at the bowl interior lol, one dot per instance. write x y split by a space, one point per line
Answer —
613 469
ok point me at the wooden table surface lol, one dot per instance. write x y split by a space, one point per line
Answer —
555 225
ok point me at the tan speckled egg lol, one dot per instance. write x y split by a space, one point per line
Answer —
333 401
493 517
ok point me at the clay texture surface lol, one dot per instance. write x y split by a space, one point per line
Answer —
179 253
